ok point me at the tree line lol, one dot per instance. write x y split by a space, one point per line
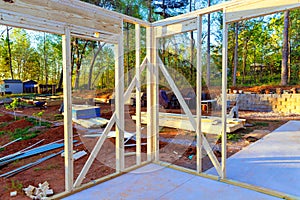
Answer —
263 50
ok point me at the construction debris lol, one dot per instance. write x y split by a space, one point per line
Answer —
91 123
13 193
10 142
20 169
24 154
256 135
31 152
39 193
79 154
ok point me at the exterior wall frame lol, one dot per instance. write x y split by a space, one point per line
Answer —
13 15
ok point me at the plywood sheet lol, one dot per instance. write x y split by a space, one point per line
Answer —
210 125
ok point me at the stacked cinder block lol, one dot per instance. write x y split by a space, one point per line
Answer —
281 103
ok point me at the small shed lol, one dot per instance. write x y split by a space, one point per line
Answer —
12 86
45 88
28 86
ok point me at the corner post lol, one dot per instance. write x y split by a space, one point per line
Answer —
67 90
119 103
224 94
199 92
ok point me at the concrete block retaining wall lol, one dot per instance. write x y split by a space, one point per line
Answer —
281 103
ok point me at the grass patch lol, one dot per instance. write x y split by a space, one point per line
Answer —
14 185
3 124
58 117
36 122
231 137
234 137
25 134
2 132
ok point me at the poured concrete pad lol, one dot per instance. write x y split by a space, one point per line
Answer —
272 162
156 182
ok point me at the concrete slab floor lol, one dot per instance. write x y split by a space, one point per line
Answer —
157 182
272 162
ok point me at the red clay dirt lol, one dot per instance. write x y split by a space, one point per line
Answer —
52 170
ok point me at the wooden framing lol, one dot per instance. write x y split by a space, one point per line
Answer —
198 93
138 93
75 18
68 129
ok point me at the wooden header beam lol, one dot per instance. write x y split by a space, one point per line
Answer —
185 26
235 11
256 8
52 16
66 12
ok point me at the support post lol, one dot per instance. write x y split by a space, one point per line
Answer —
67 90
155 105
224 94
138 93
149 46
119 104
199 92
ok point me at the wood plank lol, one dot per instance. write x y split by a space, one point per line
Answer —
68 130
65 12
119 104
199 94
149 46
185 26
224 94
155 104
33 23
256 8
138 93
209 125
124 17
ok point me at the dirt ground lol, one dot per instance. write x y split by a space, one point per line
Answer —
52 170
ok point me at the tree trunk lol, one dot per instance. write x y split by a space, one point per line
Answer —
245 51
78 61
9 53
192 44
60 83
285 50
235 54
150 11
208 48
93 63
45 63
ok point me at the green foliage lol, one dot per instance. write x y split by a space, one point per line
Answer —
38 56
263 124
2 132
25 134
3 124
58 117
13 106
231 136
38 123
14 185
39 115
234 137
2 149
